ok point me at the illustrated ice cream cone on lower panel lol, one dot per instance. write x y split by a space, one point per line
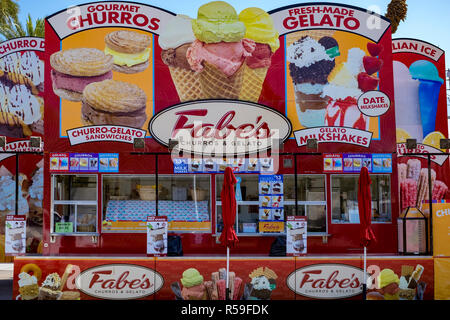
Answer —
28 286
263 282
50 288
220 50
114 102
174 41
193 287
129 50
258 27
74 69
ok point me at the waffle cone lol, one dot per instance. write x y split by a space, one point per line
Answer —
217 85
252 83
315 34
187 83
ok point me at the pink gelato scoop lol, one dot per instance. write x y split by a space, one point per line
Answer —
77 84
261 57
226 56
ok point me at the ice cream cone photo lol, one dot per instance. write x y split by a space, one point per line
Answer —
174 40
258 27
218 54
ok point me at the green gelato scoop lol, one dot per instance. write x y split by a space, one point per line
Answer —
191 278
218 21
425 70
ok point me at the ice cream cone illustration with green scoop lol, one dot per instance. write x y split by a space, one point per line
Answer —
220 50
388 283
429 88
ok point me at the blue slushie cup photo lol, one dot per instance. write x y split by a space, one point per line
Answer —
429 88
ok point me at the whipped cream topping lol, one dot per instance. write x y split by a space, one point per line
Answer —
52 281
26 279
27 64
32 67
22 103
11 63
305 52
260 283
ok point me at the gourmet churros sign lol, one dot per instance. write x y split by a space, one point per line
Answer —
338 73
101 70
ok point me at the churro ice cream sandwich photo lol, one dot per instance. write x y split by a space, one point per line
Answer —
114 102
129 50
74 69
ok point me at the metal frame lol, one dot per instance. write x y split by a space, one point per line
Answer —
17 154
404 220
430 189
74 203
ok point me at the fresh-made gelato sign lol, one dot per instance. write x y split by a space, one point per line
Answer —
335 62
220 127
330 16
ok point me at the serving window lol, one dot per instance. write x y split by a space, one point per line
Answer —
344 198
129 200
74 204
311 202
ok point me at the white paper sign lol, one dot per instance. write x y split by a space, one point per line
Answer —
296 233
157 235
15 235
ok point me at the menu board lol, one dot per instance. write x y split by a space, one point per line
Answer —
215 165
271 203
15 235
84 162
157 235
296 235
352 163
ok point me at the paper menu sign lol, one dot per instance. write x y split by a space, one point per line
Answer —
157 235
296 235
271 203
15 235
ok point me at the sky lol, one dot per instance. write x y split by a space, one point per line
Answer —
427 20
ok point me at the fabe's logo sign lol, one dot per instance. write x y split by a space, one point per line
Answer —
326 281
220 127
119 281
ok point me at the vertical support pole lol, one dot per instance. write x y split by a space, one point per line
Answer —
157 184
296 184
430 196
17 185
